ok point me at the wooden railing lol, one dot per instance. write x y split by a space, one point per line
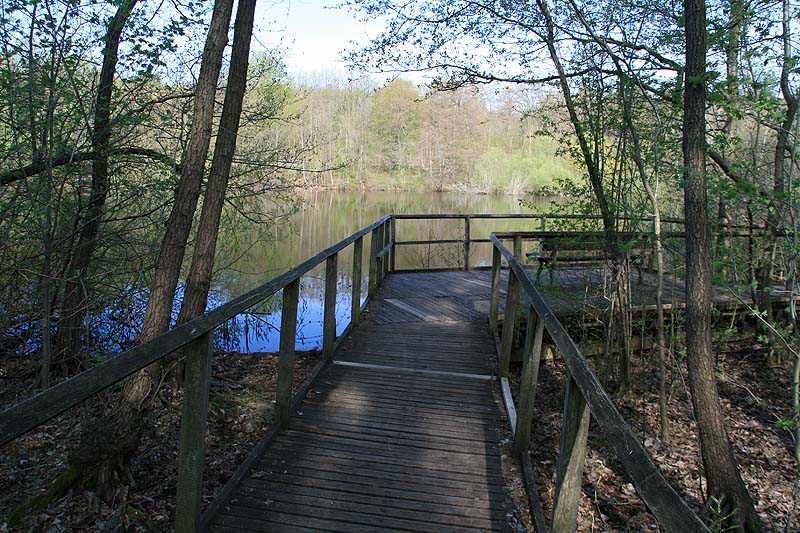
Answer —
543 222
584 398
195 338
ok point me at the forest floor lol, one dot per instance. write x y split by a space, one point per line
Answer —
754 395
241 410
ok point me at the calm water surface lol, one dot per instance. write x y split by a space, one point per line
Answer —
324 218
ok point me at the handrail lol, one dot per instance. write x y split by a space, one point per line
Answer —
741 230
583 390
196 337
29 414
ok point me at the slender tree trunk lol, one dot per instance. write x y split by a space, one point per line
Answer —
179 225
722 472
109 442
69 350
198 281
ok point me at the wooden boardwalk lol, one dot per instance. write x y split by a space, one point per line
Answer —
402 433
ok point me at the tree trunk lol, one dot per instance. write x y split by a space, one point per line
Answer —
199 280
70 355
722 472
109 442
179 225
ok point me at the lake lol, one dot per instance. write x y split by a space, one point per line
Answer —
250 258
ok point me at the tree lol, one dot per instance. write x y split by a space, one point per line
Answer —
68 342
109 443
722 472
593 46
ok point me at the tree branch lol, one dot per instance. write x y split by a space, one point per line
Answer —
37 167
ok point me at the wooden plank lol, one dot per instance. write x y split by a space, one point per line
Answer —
466 243
440 511
329 307
355 302
393 232
531 356
508 401
569 470
374 247
494 304
411 310
193 434
369 457
366 482
534 502
427 519
507 338
419 371
346 470
286 357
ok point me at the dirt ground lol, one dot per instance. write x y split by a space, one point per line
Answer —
754 395
241 409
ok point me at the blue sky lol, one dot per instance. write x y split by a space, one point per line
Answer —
312 33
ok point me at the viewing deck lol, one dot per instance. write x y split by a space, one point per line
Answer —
401 433
408 423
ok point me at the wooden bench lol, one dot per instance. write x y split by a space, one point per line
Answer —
586 248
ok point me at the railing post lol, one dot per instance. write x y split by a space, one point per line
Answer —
393 232
518 247
355 303
569 470
329 310
531 356
193 434
283 404
374 248
387 238
509 322
543 223
466 243
494 304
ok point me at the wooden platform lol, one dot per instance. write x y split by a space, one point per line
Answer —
402 433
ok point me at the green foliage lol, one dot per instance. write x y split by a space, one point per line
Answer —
395 137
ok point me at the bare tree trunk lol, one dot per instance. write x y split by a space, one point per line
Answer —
179 225
198 281
69 354
109 442
722 472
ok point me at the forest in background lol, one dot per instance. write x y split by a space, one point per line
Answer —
398 136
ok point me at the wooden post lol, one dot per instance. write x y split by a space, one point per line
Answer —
387 238
283 404
193 434
518 247
393 232
494 305
329 312
569 470
373 262
512 304
531 356
380 261
542 226
355 303
466 243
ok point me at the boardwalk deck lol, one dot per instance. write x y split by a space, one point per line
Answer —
402 433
